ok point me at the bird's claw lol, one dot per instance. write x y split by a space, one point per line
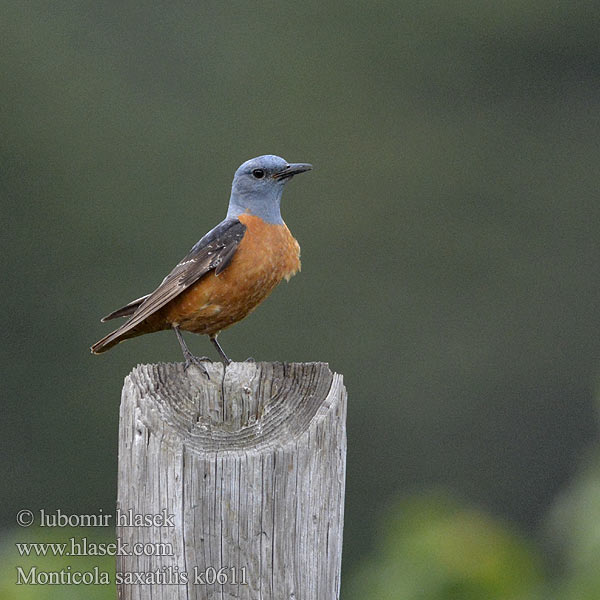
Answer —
190 359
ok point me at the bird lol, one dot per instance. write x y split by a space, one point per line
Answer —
228 272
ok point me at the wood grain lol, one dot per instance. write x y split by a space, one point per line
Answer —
249 466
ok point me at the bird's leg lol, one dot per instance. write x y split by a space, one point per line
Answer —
187 354
226 359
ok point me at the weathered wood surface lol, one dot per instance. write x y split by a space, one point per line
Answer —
247 469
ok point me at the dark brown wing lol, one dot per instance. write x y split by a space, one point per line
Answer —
212 253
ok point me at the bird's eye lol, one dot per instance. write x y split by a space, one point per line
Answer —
258 173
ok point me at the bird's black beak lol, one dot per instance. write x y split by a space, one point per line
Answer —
291 170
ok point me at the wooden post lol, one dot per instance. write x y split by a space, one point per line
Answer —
233 486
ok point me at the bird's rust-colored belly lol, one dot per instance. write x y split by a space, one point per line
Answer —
266 255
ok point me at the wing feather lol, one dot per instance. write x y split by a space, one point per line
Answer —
212 253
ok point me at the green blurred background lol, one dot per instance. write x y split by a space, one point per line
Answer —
450 234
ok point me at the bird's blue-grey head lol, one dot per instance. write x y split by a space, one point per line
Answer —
258 184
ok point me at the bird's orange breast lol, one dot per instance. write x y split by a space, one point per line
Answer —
266 254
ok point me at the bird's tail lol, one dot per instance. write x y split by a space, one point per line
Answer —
125 311
110 340
122 333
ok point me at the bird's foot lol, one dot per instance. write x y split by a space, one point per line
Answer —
190 359
250 359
